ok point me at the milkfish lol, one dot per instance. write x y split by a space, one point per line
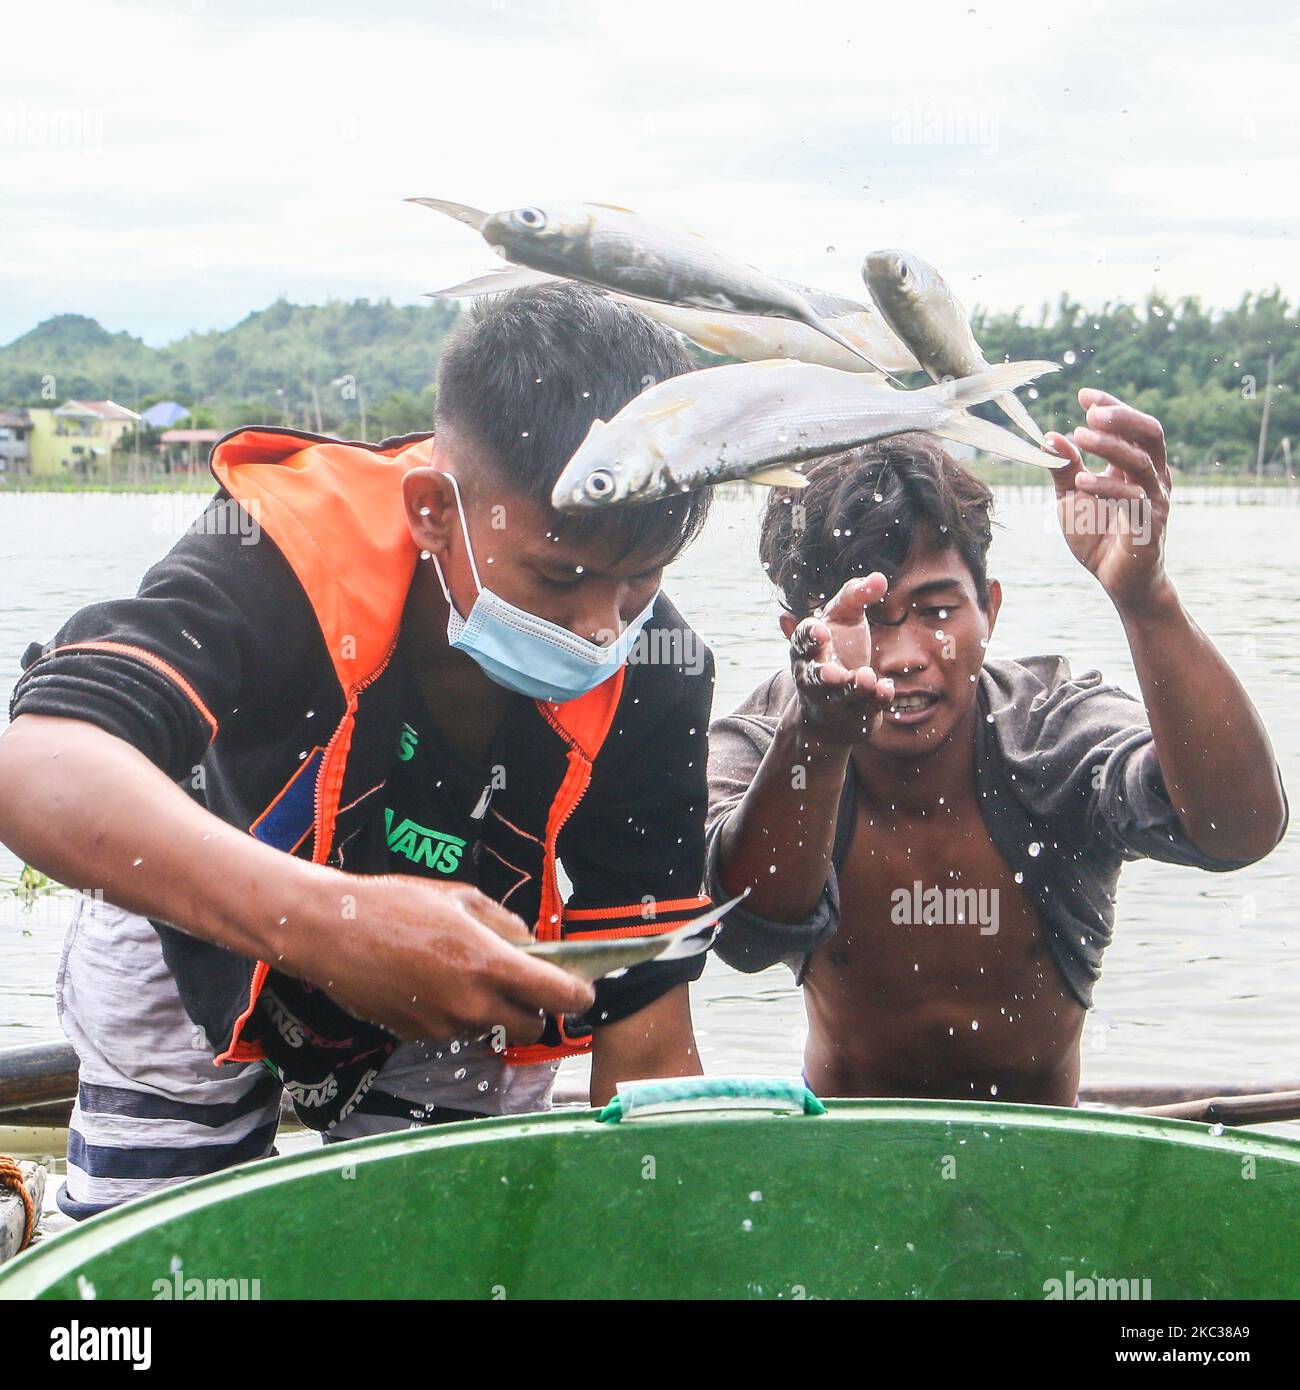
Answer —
593 960
618 250
748 337
760 420
918 305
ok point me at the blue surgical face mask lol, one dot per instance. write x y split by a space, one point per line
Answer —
525 653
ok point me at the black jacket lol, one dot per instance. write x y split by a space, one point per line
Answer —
255 667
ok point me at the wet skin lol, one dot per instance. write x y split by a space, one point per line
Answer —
891 1003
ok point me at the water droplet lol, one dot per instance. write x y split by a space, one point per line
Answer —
1069 358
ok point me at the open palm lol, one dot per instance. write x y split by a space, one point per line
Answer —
1114 521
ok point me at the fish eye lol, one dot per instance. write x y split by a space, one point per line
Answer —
600 485
902 270
534 219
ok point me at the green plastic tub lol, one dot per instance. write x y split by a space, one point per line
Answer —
873 1199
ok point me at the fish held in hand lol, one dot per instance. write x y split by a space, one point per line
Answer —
918 305
594 960
759 420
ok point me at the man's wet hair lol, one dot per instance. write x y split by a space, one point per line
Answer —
865 510
523 375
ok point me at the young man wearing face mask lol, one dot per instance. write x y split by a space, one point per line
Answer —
317 783
934 838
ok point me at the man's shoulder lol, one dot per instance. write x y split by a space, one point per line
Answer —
766 702
670 663
1035 688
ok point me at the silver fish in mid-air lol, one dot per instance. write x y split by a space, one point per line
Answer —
758 420
618 250
918 305
593 960
748 337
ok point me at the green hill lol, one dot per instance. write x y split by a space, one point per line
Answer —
277 365
316 366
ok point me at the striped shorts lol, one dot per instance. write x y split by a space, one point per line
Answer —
152 1109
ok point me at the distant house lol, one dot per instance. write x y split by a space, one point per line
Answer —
186 448
165 415
78 436
15 446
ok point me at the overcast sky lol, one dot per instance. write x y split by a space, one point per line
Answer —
167 167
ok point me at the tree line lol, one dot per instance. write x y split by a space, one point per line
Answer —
365 368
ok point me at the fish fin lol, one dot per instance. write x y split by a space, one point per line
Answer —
827 305
493 282
836 336
613 207
990 384
471 217
993 439
782 476
1016 410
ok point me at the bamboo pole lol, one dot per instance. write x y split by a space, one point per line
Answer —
1263 423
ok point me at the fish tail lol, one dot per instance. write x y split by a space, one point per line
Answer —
471 217
993 439
493 282
990 384
1015 410
837 337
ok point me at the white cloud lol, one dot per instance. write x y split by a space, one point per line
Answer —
174 166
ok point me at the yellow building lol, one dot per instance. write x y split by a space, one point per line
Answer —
77 437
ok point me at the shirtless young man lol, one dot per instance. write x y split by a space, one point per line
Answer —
862 794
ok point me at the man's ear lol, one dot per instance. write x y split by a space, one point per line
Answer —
788 623
430 501
994 604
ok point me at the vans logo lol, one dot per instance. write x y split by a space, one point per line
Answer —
288 1027
310 1094
432 848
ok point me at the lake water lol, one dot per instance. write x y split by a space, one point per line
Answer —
1201 984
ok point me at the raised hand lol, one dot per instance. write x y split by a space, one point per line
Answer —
840 698
1114 521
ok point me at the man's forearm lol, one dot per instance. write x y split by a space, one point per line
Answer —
778 841
92 812
656 1041
1214 754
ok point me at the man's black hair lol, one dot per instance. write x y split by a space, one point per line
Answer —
523 375
864 510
